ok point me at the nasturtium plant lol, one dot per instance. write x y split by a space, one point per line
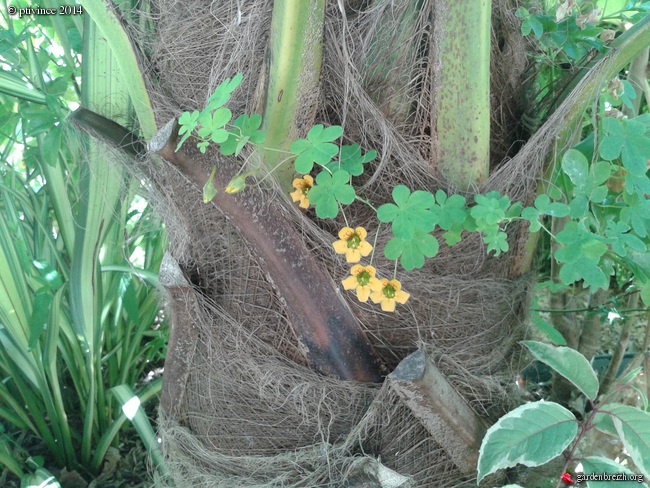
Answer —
352 159
223 92
248 131
188 122
409 213
330 191
212 124
317 148
411 252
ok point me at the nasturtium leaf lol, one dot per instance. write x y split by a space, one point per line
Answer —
531 434
351 159
496 242
637 214
452 210
413 251
188 122
620 239
587 270
246 129
222 93
317 148
599 466
489 210
633 427
329 190
209 191
531 214
212 124
411 212
626 138
568 363
454 235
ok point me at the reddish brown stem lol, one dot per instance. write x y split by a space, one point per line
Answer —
324 323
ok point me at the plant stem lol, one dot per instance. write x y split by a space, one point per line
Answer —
291 80
463 113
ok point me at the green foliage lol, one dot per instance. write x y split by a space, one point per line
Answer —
538 432
317 148
330 191
61 351
569 363
351 159
531 434
410 213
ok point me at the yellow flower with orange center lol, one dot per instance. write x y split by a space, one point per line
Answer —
363 277
302 186
388 293
353 244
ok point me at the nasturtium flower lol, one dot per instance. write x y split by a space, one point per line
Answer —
388 293
353 244
361 280
302 186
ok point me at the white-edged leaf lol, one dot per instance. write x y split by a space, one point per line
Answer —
569 363
599 466
531 435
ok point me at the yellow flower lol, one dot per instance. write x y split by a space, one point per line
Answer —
302 186
361 281
353 244
388 293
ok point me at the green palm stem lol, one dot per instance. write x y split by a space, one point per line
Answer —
291 81
463 97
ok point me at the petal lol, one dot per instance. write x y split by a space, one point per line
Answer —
397 286
353 256
364 248
363 292
341 247
304 202
298 184
361 232
356 270
401 296
296 196
346 233
376 297
309 180
349 283
372 272
376 286
388 305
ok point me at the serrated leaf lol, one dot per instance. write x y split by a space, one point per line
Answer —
531 434
569 363
351 159
329 190
317 148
